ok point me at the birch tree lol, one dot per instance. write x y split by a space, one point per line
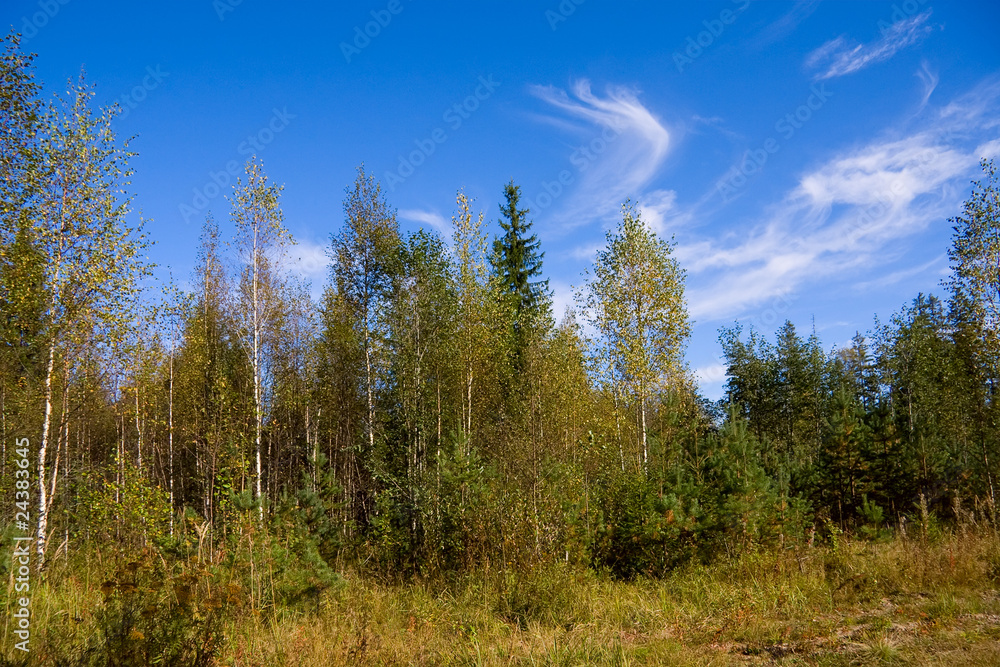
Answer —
423 340
472 281
365 258
209 366
975 255
261 241
93 257
21 260
634 299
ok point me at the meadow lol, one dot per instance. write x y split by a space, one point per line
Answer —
915 600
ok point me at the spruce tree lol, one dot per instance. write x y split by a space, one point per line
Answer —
516 261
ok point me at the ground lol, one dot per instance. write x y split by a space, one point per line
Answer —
896 601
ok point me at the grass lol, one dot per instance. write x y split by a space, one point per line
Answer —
894 603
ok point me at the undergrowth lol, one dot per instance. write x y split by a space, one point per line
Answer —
894 601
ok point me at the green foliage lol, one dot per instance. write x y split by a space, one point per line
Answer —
874 519
844 459
429 418
318 505
635 301
639 530
740 499
782 391
145 516
975 253
458 534
23 295
23 299
151 616
517 261
298 573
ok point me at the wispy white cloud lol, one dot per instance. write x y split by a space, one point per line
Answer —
840 57
713 123
846 215
659 210
432 219
989 150
562 298
711 374
929 79
623 146
308 261
894 171
938 265
842 217
976 109
587 251
787 23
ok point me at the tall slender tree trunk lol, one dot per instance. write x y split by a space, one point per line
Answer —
371 396
989 474
437 495
312 451
120 456
468 393
258 411
43 506
468 368
62 444
438 374
138 428
202 465
645 446
618 420
170 438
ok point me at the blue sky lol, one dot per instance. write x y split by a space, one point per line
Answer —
805 156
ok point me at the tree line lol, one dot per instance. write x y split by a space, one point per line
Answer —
430 414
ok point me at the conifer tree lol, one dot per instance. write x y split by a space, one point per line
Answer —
844 458
517 261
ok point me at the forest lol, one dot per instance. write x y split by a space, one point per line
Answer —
230 456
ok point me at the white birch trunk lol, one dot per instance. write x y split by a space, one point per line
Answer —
43 506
